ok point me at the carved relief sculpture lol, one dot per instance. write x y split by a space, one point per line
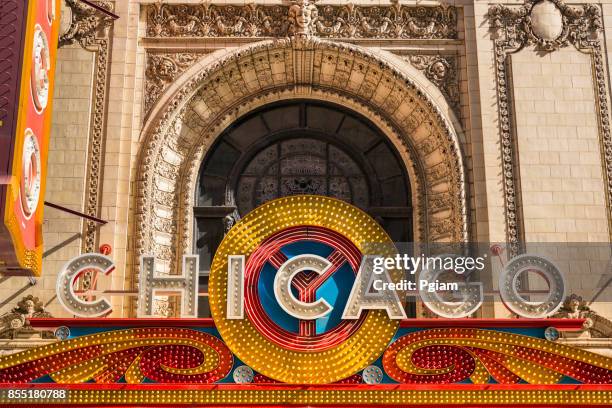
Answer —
162 70
208 20
15 324
87 24
394 21
595 325
303 17
441 70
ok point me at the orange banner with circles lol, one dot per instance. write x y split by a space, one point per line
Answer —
29 46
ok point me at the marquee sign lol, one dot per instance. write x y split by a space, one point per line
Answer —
312 246
295 323
30 36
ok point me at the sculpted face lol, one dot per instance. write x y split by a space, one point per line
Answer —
302 12
29 304
574 304
439 70
166 68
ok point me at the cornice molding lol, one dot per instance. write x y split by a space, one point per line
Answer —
303 17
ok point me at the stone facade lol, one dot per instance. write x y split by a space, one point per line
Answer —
499 109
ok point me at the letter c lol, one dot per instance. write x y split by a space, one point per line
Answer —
282 287
65 285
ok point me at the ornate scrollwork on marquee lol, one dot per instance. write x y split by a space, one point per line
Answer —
303 17
548 26
186 356
163 355
445 356
90 28
182 130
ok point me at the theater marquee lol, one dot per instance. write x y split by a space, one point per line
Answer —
294 323
30 36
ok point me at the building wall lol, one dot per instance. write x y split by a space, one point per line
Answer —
562 187
67 169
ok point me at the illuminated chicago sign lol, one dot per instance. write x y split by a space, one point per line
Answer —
307 279
28 43
330 268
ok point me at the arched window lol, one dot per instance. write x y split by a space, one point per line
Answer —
298 147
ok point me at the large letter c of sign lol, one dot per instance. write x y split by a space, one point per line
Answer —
69 274
282 287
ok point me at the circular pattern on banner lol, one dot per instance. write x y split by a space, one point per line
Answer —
243 375
270 357
39 74
372 375
31 174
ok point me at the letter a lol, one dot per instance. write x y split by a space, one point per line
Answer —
364 297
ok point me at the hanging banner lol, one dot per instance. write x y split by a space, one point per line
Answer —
28 47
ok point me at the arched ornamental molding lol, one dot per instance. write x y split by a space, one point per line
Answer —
228 84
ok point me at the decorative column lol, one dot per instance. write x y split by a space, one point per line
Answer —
90 27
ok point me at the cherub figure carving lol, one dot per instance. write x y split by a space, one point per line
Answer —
302 18
17 322
575 307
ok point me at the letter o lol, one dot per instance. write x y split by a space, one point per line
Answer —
509 279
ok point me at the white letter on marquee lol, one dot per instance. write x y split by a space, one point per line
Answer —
185 284
471 294
362 298
65 281
282 286
512 298
235 287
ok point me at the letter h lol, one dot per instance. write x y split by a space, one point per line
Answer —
152 284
